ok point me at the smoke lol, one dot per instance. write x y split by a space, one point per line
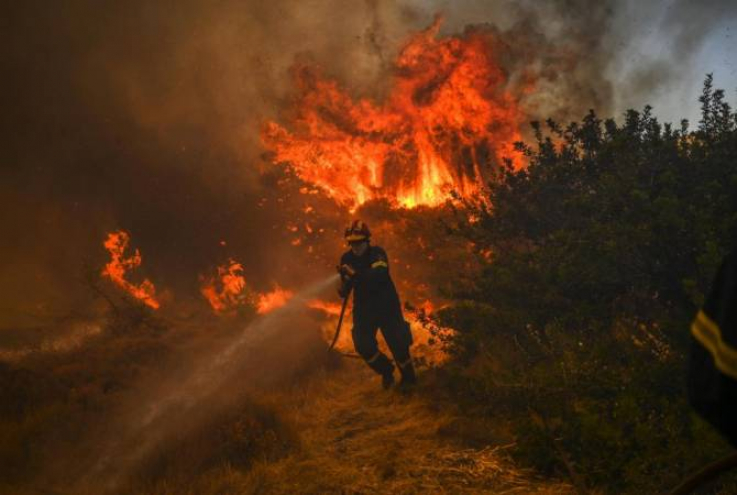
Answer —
145 116
609 55
660 60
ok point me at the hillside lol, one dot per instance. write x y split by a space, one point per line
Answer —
355 438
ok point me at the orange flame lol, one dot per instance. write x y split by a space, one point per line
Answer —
270 301
425 331
232 287
447 119
115 270
428 335
329 308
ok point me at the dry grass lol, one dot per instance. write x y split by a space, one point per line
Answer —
357 439
331 431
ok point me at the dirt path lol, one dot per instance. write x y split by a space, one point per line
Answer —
359 439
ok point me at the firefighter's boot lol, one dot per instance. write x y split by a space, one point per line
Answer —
409 378
387 379
381 364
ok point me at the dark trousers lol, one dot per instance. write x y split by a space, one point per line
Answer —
397 336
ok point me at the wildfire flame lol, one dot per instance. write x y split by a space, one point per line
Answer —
227 289
447 118
329 308
115 270
270 301
425 331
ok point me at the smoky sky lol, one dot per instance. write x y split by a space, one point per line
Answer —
145 116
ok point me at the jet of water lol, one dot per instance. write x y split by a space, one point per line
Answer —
152 419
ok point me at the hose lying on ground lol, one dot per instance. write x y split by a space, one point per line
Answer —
706 474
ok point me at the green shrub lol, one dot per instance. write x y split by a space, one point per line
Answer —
576 331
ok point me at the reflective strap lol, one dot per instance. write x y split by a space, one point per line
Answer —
374 357
379 263
404 364
707 332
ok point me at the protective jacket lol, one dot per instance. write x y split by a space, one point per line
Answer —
375 297
712 380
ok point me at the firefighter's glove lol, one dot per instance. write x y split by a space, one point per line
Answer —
347 276
346 272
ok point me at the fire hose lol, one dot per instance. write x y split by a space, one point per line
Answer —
706 475
340 324
340 319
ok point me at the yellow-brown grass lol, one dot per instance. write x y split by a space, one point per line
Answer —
356 438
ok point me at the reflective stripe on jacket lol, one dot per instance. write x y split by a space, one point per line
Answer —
712 379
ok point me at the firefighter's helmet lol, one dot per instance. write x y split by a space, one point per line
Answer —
357 231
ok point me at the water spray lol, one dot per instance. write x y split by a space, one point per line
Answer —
152 421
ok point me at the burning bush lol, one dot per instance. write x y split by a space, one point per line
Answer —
270 301
448 120
120 264
227 290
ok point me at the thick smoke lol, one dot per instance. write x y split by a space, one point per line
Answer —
661 61
145 115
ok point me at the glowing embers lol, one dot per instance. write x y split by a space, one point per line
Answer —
270 301
226 290
447 120
115 270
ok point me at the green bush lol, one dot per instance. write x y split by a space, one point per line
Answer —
576 331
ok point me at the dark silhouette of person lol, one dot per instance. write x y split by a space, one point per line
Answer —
364 269
712 378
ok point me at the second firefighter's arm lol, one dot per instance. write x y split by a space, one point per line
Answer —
712 377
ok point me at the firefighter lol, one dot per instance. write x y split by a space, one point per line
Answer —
712 375
364 269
